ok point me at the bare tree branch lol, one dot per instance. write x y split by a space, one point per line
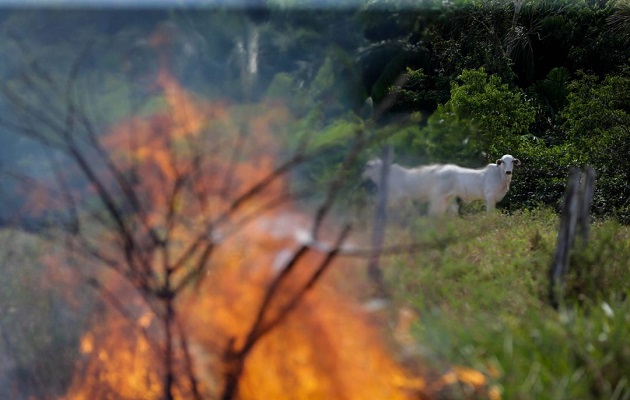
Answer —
149 260
194 385
235 359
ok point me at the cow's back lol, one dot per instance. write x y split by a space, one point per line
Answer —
419 181
464 183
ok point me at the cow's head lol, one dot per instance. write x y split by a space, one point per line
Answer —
507 163
372 170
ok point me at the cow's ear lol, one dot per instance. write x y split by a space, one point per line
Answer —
517 161
499 161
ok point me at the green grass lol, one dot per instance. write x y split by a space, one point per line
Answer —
480 289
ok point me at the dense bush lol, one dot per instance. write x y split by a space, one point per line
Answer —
483 119
597 123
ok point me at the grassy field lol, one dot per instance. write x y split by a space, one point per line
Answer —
479 288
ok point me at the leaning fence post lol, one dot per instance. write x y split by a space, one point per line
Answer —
574 218
588 186
380 223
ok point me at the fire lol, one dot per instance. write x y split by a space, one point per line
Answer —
119 360
328 347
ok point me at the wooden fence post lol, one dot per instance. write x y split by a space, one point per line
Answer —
380 223
575 218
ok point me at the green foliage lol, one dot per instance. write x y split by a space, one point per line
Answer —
491 250
480 289
577 354
447 137
280 86
496 112
482 116
541 178
619 21
390 73
331 142
538 46
552 92
421 92
597 121
325 121
599 269
465 37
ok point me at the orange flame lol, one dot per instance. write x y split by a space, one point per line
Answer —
328 347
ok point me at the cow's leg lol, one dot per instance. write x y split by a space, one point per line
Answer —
438 206
489 204
453 207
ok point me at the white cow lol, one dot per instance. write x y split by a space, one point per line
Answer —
489 184
441 184
402 183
